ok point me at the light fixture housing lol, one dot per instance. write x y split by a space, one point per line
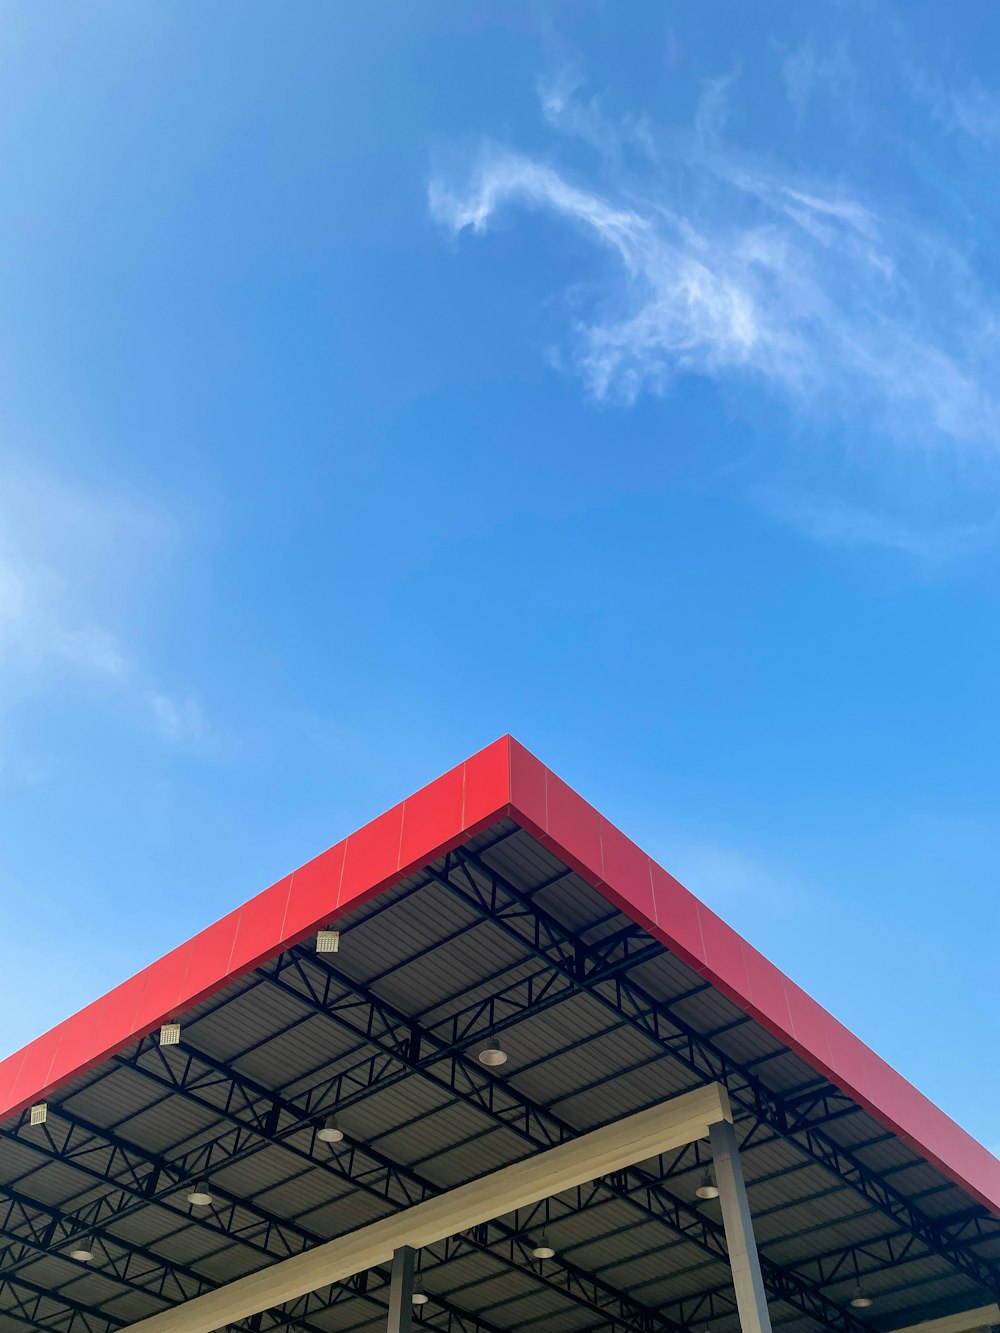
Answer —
708 1189
170 1034
859 1300
542 1249
493 1055
419 1296
329 1131
328 941
82 1253
39 1113
200 1197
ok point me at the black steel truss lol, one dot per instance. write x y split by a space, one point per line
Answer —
415 1049
251 1096
139 1270
255 1117
30 1229
422 1050
362 1166
219 1089
40 1308
484 888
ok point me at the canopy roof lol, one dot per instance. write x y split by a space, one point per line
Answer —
494 903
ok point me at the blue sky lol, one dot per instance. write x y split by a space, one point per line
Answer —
625 377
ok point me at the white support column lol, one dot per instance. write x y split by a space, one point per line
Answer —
401 1290
743 1258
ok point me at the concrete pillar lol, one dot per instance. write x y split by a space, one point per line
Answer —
401 1291
743 1259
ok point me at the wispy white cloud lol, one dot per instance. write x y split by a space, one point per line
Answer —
179 718
565 109
40 639
729 268
713 109
838 523
93 651
47 636
972 109
976 112
806 70
12 603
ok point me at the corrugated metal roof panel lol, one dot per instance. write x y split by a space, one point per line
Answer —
427 954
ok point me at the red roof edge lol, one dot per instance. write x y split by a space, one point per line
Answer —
453 808
563 821
502 779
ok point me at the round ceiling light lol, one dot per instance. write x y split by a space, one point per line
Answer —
859 1300
493 1055
199 1197
543 1250
708 1189
330 1131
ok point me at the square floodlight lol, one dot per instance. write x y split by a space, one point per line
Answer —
328 941
39 1113
170 1034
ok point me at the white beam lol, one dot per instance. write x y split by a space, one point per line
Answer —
982 1317
635 1139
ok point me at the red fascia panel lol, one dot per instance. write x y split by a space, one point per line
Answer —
503 779
563 821
460 804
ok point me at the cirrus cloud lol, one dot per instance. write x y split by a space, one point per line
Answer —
727 268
